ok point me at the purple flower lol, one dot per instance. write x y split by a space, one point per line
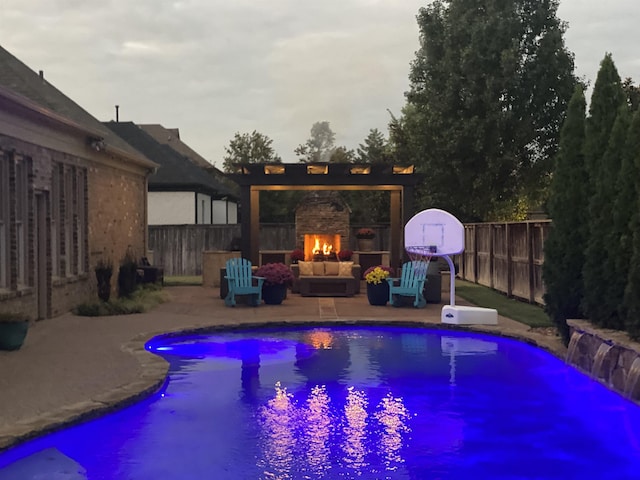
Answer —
275 274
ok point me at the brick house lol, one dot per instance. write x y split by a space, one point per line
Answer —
72 193
180 191
224 204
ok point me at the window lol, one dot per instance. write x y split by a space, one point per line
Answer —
69 221
56 180
81 220
4 221
22 220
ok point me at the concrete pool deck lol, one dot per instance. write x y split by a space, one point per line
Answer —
72 367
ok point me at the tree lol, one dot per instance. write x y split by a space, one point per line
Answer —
631 302
564 247
374 148
251 147
602 157
489 85
320 145
342 155
370 206
398 146
632 92
627 222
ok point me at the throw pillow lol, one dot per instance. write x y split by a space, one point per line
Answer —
331 268
306 269
318 268
344 269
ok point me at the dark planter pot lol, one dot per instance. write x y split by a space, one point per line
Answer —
12 334
274 294
378 294
365 244
103 276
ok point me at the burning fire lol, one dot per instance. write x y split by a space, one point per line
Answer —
321 245
325 250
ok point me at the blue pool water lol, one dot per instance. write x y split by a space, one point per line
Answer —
351 402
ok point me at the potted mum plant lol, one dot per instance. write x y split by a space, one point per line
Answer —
377 285
345 255
297 255
365 238
13 330
104 271
277 277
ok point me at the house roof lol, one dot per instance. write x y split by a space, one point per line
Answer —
34 92
171 137
176 171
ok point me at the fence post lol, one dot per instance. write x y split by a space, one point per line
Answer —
507 239
532 294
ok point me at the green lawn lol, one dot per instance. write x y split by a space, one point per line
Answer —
529 314
172 281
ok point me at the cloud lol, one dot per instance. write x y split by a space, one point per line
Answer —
216 67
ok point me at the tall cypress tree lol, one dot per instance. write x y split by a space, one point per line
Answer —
565 245
622 193
631 304
607 98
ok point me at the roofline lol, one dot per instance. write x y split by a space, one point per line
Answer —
95 140
33 107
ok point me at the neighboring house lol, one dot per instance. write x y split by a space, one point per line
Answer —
180 192
72 193
219 207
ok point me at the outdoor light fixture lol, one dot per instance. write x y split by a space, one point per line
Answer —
400 170
317 169
360 170
274 169
97 144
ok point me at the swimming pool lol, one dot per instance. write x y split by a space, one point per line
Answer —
365 402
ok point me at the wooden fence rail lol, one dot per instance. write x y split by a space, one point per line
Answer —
506 256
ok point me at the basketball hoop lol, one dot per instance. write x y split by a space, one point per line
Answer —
419 253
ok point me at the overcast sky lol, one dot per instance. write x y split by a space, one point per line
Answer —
215 67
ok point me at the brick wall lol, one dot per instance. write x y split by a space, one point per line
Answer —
115 211
322 212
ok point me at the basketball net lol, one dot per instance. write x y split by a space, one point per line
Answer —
420 253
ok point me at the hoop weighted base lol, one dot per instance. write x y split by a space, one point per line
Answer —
463 315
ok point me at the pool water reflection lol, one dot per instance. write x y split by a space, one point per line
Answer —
352 402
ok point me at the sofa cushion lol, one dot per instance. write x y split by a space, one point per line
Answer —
318 268
331 268
344 269
306 268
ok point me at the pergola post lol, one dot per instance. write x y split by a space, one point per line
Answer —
396 223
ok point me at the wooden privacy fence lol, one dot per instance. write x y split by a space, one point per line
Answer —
507 257
178 248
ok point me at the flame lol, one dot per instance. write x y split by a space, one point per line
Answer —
326 248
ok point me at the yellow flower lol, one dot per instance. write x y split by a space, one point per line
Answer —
377 274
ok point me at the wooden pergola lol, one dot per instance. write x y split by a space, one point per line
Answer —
398 180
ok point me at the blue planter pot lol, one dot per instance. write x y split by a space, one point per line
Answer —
12 334
274 294
378 294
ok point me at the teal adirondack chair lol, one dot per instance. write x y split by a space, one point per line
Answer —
411 283
242 282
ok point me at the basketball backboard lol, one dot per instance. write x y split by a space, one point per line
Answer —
434 232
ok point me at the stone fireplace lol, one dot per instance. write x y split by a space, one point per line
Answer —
322 225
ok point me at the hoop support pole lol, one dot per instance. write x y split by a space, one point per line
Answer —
452 275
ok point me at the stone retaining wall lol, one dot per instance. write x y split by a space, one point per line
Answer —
609 356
